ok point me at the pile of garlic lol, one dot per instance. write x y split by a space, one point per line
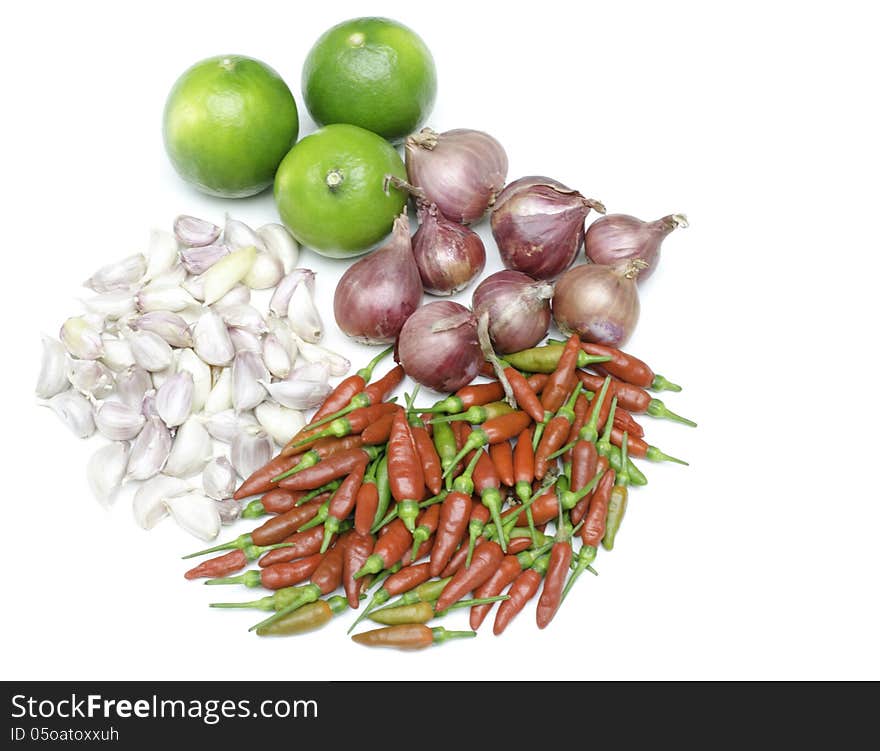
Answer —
171 361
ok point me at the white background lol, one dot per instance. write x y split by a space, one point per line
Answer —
759 121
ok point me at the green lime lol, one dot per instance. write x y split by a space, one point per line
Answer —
228 123
372 72
330 190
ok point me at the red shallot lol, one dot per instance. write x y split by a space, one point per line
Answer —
614 239
518 307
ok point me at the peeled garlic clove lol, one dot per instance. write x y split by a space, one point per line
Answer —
195 285
149 450
248 370
302 315
148 405
337 364
81 337
281 244
281 423
244 341
238 235
160 376
161 253
172 298
280 301
174 399
275 356
224 426
195 513
189 362
229 510
250 450
243 316
150 351
117 353
132 385
173 277
281 330
211 340
53 369
265 273
190 451
170 326
119 275
75 411
194 232
219 479
118 421
148 503
220 396
238 295
199 260
112 305
227 272
106 470
306 387
91 378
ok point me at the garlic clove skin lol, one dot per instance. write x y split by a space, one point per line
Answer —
281 423
52 379
190 451
194 232
250 449
117 353
248 370
189 362
238 235
150 351
302 315
118 422
243 316
75 411
279 303
112 305
149 450
219 479
211 340
174 400
199 260
314 353
265 273
227 272
224 426
161 253
132 385
149 502
81 337
106 471
120 275
91 378
196 513
220 396
169 297
229 510
281 244
170 326
275 356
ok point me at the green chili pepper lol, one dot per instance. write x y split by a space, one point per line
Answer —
444 442
618 502
277 601
545 359
422 612
477 414
308 618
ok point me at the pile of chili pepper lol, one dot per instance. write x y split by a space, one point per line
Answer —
446 506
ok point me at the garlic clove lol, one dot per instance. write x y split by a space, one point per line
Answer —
173 277
238 295
250 449
91 378
174 400
150 351
281 423
195 285
132 385
314 353
275 356
281 244
52 379
229 510
190 451
194 232
106 470
243 316
220 396
228 272
195 513
112 305
172 298
224 426
199 260
281 330
149 501
211 340
81 336
161 253
244 341
170 326
248 370
219 478
120 275
306 387
160 376
238 235
75 411
118 422
280 300
189 362
302 315
265 273
149 450
117 353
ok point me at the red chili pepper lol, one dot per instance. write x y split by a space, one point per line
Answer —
228 563
405 473
331 468
358 548
261 480
524 465
555 433
342 503
406 579
429 458
340 397
628 368
521 591
496 430
638 447
366 504
487 557
301 544
626 422
560 383
581 408
526 398
381 389
328 575
584 465
278 527
518 545
389 549
353 424
544 509
378 433
538 382
461 430
455 513
281 575
457 560
594 527
408 636
511 566
502 457
426 526
554 582
424 550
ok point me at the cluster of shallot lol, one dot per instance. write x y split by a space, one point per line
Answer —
188 379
